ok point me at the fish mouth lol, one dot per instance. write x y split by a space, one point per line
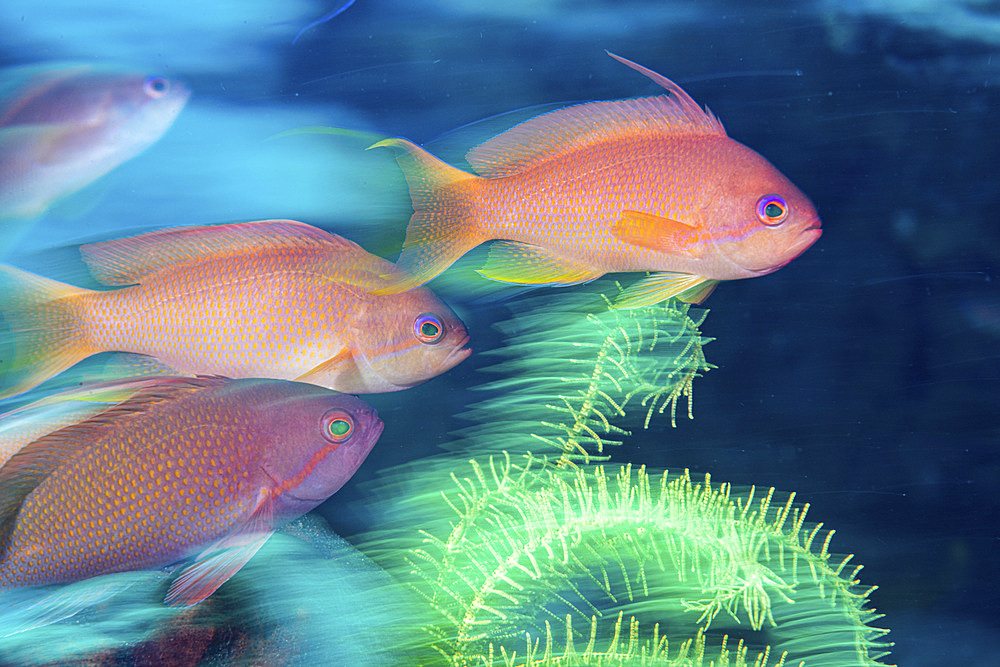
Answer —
806 238
460 353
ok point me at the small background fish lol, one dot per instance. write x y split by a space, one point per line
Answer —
63 127
651 184
200 469
275 298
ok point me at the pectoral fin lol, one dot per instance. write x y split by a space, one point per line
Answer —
658 287
342 362
658 233
222 560
524 264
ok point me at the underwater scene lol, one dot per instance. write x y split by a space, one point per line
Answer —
371 332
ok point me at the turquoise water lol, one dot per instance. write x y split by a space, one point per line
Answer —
863 376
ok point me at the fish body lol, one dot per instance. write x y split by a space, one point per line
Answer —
61 128
650 184
274 298
195 471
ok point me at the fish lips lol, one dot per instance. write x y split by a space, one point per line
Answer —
802 242
459 354
799 245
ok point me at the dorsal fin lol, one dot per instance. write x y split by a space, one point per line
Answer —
128 261
583 124
26 469
27 423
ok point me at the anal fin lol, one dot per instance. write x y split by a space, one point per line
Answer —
27 609
658 287
521 263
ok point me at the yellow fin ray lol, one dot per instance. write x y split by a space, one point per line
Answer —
658 287
521 263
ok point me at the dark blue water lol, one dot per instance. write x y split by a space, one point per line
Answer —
865 375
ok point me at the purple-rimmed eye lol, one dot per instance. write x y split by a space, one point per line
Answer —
337 426
155 86
427 328
772 210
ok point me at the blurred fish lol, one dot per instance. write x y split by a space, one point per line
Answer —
649 184
62 128
187 471
274 298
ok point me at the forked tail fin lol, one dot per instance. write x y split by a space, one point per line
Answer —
443 226
40 334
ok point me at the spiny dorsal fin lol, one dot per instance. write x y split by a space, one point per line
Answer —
26 469
581 125
128 261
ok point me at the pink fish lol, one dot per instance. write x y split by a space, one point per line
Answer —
196 472
62 128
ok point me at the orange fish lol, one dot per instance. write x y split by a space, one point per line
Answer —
270 299
649 184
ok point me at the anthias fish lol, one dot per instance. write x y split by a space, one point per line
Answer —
195 472
649 184
273 299
62 128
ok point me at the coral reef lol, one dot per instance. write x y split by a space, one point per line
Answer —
527 559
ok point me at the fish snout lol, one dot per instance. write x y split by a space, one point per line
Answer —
372 422
460 352
806 238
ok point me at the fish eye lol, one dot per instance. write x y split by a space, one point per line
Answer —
155 86
337 426
427 328
772 210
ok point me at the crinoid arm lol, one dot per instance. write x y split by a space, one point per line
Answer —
571 368
611 565
546 559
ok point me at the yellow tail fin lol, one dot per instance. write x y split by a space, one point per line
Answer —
40 334
443 226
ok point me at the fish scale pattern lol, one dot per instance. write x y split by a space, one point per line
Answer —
569 204
148 492
271 315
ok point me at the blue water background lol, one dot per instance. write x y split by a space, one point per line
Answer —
865 375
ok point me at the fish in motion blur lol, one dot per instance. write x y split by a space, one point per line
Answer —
648 184
63 127
191 471
272 299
